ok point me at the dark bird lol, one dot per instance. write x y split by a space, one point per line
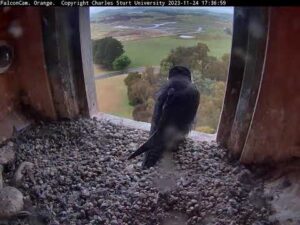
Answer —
174 113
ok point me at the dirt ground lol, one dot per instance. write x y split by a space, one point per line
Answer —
112 96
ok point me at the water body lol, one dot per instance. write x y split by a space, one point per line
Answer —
157 25
199 29
153 26
123 27
186 36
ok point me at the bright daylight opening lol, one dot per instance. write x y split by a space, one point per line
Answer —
133 49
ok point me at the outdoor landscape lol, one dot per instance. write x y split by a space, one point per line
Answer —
133 49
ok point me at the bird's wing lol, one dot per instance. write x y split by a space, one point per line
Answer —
156 134
158 108
182 105
164 109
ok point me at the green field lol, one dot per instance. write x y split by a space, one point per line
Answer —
149 52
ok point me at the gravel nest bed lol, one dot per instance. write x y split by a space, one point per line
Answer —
82 176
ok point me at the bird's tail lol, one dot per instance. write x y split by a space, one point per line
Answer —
153 148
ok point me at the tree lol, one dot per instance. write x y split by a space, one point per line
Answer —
143 112
132 78
139 93
190 57
210 107
226 59
121 62
141 89
106 50
138 88
215 70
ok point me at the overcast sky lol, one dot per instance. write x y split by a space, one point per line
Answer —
212 9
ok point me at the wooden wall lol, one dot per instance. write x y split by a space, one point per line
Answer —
264 120
31 64
51 76
67 41
8 84
25 84
274 133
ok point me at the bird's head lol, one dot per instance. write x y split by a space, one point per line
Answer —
180 72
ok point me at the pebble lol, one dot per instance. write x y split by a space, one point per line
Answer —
83 177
